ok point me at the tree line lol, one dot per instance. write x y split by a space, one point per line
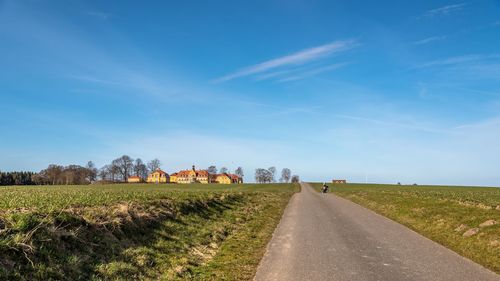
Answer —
17 178
119 170
213 170
269 175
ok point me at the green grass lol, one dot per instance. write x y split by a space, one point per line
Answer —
436 212
140 231
56 197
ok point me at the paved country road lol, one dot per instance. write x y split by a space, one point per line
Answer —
325 237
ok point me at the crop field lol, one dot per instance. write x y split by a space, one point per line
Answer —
56 197
464 219
137 231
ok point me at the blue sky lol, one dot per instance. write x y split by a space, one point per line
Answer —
387 91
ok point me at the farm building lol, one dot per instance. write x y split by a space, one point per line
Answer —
236 178
158 176
339 181
228 178
193 176
223 178
173 178
134 179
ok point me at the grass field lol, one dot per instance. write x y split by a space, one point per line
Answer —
441 213
127 231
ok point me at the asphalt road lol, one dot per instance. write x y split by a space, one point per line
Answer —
325 237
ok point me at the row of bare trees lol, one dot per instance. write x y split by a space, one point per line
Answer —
72 174
269 175
213 170
123 167
117 171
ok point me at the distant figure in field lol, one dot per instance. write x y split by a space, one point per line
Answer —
325 188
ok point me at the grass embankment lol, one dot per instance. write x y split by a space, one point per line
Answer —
441 213
123 232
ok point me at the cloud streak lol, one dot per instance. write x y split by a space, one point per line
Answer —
459 60
297 58
410 126
314 72
429 40
445 10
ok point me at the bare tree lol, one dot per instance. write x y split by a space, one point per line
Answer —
105 173
259 175
154 165
140 169
124 166
40 179
114 171
212 170
295 179
75 174
72 174
224 170
285 175
239 172
263 176
272 170
53 173
91 172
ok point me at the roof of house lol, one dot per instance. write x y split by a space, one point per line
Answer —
183 172
234 177
198 173
202 173
159 171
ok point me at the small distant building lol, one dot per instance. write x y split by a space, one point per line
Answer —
134 179
227 178
194 176
173 178
223 179
339 181
236 178
158 176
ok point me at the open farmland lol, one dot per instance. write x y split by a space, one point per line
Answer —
126 231
464 219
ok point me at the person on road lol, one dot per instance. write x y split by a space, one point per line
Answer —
325 188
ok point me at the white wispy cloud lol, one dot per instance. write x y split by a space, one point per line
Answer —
99 15
445 10
487 123
459 60
279 73
428 40
411 126
314 72
459 69
297 58
79 57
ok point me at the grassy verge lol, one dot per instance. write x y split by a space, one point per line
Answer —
447 215
137 231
